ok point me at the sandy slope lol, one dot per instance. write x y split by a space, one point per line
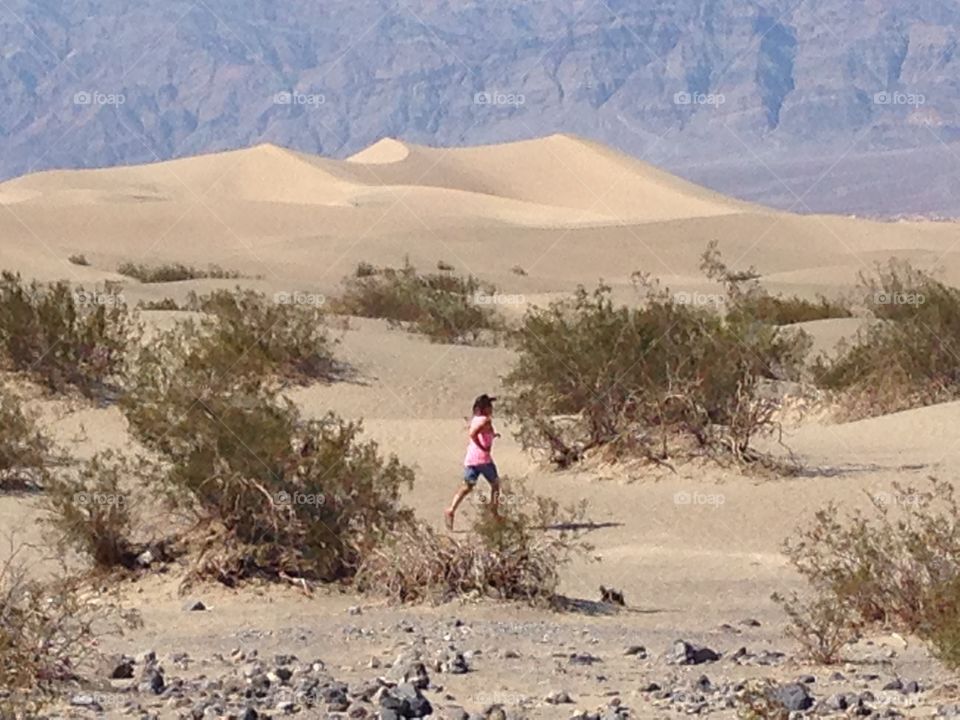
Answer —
691 550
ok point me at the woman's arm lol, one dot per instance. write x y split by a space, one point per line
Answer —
475 434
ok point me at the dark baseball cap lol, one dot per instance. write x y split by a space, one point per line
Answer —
483 401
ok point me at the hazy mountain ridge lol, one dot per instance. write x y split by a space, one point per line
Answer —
677 83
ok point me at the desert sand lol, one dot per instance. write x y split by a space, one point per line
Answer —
568 212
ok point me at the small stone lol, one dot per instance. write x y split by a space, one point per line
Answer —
794 697
636 650
650 687
249 714
895 684
145 559
120 667
583 659
195 606
152 681
750 622
807 679
355 610
558 698
911 687
684 653
703 684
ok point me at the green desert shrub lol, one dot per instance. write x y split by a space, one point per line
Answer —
273 495
443 306
64 337
25 451
910 356
748 301
240 333
896 565
92 514
174 272
516 555
268 492
164 304
654 381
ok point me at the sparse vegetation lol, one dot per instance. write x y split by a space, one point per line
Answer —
242 333
896 566
749 301
164 304
445 307
64 337
79 260
444 266
517 556
273 495
656 381
24 448
517 270
910 356
174 272
92 515
47 632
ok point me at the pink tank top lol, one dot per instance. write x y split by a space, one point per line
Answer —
475 454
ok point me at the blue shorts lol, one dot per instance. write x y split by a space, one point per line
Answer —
472 473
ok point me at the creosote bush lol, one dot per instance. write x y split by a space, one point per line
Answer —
445 307
748 301
25 451
64 337
241 333
910 357
655 381
897 566
174 272
273 495
92 514
516 556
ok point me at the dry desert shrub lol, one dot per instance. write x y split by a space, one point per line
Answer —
272 495
748 301
64 337
92 514
517 555
25 451
661 380
174 272
446 307
241 334
48 630
897 566
910 357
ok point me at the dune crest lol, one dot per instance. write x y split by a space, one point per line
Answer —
560 180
